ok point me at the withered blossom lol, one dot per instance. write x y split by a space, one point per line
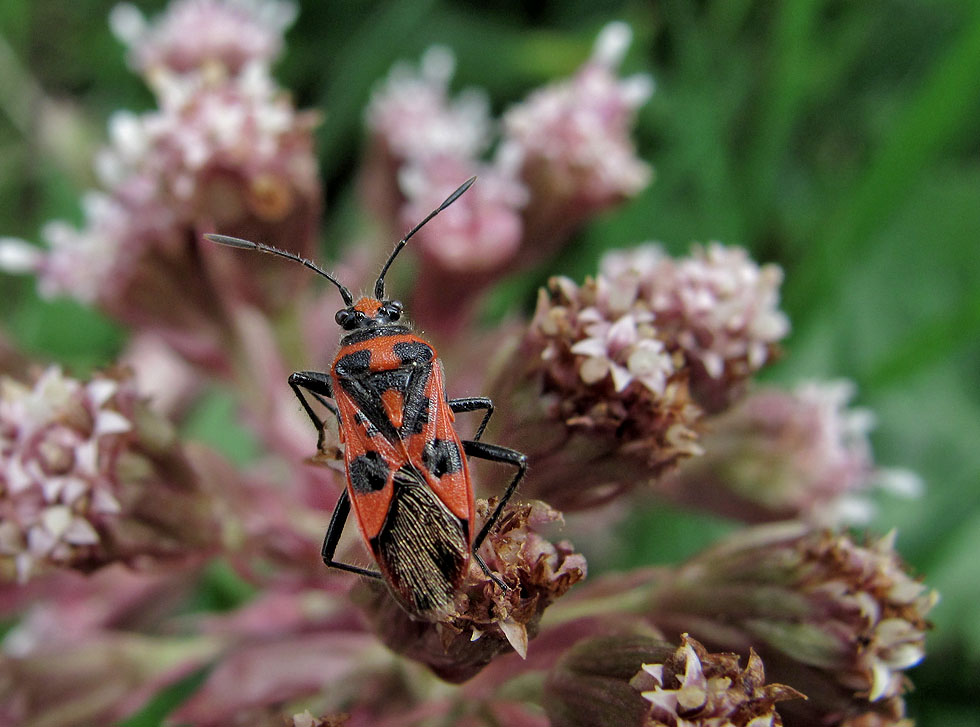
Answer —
845 620
643 681
488 621
89 475
693 687
781 454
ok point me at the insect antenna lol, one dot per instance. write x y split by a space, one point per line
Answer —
379 287
249 245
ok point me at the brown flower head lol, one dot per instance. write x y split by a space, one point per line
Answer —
488 620
642 681
845 616
693 687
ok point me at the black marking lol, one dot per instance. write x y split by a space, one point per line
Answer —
422 547
353 364
368 333
369 429
442 456
415 417
368 473
381 381
413 352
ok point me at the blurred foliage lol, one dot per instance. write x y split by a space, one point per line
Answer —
839 139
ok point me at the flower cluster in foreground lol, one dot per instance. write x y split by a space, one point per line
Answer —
637 381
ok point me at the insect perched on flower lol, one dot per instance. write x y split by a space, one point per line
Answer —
407 476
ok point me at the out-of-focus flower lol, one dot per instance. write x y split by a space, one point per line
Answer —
412 116
844 620
641 681
487 620
196 34
776 455
565 155
572 142
717 306
101 680
221 153
89 475
412 120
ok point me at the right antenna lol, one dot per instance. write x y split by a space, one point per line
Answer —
379 287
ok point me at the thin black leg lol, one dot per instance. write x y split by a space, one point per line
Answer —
495 453
474 403
334 531
317 384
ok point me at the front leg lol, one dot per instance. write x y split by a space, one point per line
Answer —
318 384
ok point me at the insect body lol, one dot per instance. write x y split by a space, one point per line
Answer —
407 475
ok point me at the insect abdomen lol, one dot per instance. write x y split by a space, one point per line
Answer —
422 547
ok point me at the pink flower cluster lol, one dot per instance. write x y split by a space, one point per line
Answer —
74 461
635 383
225 148
563 155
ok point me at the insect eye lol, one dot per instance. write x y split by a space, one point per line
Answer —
344 317
393 310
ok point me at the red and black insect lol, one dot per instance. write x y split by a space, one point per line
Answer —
407 476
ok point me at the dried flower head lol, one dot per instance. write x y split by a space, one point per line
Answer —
697 689
717 306
640 680
573 137
88 475
197 34
777 454
849 612
487 621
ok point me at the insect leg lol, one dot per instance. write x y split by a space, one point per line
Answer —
474 403
317 384
334 531
495 453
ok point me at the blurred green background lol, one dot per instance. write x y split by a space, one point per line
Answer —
839 139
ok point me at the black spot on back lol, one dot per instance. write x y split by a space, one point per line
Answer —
368 473
354 364
413 352
441 456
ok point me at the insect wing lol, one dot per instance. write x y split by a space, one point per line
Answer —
407 477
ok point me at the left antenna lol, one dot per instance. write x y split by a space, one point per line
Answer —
249 245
